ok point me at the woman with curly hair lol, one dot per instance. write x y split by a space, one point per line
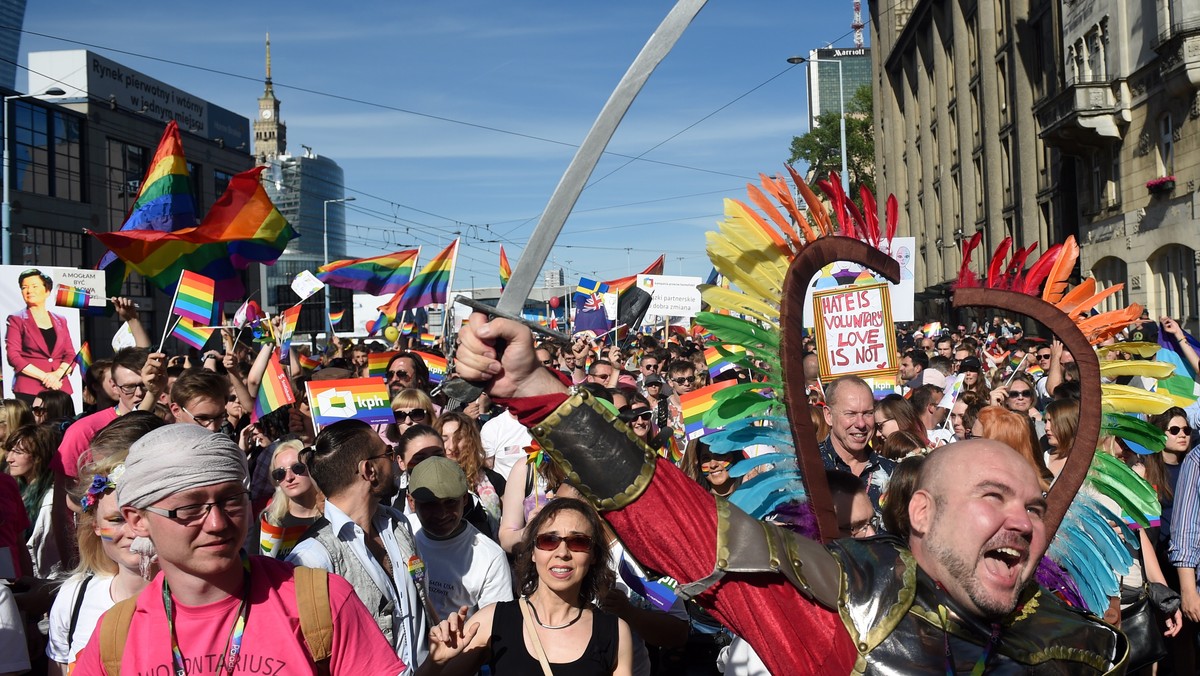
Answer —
108 572
460 436
30 449
560 572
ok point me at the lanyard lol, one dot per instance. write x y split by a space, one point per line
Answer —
981 663
233 644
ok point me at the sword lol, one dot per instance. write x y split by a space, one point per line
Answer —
562 201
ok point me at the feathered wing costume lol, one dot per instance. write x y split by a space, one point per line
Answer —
785 595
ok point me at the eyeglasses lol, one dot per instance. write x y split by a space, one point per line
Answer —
400 375
1043 355
1173 430
682 381
880 423
389 453
203 420
414 414
855 530
279 473
232 506
548 542
130 389
1020 393
649 367
547 362
38 410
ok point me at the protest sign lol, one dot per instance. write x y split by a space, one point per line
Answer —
671 296
845 273
364 399
855 333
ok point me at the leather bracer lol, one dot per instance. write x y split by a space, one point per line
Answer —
601 456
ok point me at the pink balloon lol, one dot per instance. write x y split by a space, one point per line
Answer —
554 302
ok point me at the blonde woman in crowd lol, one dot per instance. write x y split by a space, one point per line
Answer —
296 505
108 571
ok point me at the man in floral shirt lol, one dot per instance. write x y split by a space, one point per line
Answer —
850 412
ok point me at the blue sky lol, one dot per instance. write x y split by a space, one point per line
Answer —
539 71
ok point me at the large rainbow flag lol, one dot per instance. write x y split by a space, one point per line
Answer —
274 390
242 228
430 285
164 203
696 403
436 364
377 363
194 298
377 276
505 269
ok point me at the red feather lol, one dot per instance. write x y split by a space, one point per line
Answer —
833 190
967 278
893 216
994 278
870 215
1012 275
1039 270
856 217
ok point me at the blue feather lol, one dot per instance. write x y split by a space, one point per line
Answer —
746 466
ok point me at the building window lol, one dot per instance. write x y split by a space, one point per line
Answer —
1173 271
195 171
1002 88
46 246
127 166
979 188
221 181
1108 272
1166 145
47 151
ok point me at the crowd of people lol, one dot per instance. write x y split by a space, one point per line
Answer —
161 528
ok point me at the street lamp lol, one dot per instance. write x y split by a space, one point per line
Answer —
325 240
6 208
797 60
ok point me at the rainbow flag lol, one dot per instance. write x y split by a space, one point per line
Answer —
242 228
69 296
83 359
274 391
1035 371
377 363
622 283
164 203
431 285
436 364
377 275
335 316
308 362
717 363
376 325
428 338
407 327
931 328
194 298
291 317
192 333
505 269
696 403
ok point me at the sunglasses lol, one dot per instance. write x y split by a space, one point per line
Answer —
402 375
640 415
414 414
682 381
38 410
1173 430
1020 393
548 542
1044 356
279 473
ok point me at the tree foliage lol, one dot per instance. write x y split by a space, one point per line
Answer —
821 147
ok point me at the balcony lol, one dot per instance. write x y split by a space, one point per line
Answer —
1178 48
1083 114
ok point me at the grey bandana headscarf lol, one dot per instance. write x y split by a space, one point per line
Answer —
177 458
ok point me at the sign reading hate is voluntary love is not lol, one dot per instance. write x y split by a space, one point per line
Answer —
855 332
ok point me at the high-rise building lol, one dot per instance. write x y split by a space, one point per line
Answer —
554 277
270 133
12 17
823 95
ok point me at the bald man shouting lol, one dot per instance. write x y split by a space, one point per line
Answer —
956 596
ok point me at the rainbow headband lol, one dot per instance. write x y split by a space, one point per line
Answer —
101 484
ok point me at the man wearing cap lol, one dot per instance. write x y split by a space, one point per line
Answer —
363 541
465 567
212 610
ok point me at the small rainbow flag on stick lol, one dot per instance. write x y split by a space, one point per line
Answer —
83 359
695 404
69 296
428 338
274 391
437 366
194 298
192 333
505 269
291 317
377 363
308 362
335 316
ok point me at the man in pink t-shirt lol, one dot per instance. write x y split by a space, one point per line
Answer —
126 374
183 492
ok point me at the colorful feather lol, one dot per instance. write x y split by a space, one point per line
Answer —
1012 275
1064 265
1148 437
1077 294
966 276
816 208
1141 349
1038 271
741 303
1087 304
736 209
893 217
870 213
760 199
1091 552
994 276
1115 479
1108 324
832 187
1128 399
779 188
1115 368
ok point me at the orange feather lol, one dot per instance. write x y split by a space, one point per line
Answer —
779 188
1095 300
1077 295
762 202
816 209
1056 281
1108 324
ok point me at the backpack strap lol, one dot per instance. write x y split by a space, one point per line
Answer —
79 596
114 630
316 617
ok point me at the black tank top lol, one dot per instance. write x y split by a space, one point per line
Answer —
509 656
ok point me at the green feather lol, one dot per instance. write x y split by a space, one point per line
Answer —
1134 429
737 331
736 408
1114 479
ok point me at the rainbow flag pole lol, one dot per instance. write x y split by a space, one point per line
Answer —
167 328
